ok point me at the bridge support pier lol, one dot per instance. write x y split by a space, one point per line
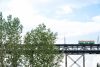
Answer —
65 60
83 60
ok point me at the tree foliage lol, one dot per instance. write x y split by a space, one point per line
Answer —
10 37
2 38
38 49
42 41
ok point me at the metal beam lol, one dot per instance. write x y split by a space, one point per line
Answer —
79 49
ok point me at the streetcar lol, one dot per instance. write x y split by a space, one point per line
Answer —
86 42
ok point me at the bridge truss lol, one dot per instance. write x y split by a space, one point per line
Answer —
77 49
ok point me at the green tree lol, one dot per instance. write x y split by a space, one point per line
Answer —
14 30
2 38
43 51
13 38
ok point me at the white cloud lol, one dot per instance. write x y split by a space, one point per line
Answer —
96 18
73 28
66 9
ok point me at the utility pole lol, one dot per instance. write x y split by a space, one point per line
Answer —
64 40
98 40
65 53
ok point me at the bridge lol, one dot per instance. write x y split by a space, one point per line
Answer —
77 49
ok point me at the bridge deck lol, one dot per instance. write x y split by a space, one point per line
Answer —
79 49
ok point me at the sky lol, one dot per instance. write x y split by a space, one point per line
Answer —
73 20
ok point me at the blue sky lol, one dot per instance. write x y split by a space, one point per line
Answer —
84 13
73 19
